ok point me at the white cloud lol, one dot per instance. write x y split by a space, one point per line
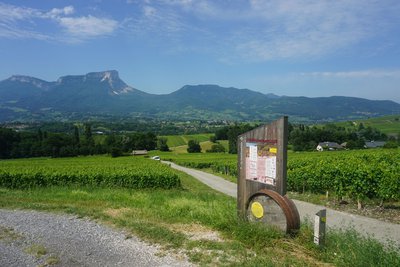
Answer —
305 28
11 32
356 74
10 13
88 26
149 11
156 21
20 22
260 30
11 18
56 12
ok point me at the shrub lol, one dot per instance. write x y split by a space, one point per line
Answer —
193 146
216 148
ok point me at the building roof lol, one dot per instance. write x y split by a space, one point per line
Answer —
330 145
139 152
374 144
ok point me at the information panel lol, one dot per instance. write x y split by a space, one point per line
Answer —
261 161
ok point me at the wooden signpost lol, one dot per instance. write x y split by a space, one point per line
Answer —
262 159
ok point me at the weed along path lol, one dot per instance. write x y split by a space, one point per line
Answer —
380 230
32 238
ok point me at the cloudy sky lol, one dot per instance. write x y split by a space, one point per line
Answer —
286 47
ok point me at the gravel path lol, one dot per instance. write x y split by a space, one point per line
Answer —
66 240
382 231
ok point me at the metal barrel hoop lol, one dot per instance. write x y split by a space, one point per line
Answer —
287 206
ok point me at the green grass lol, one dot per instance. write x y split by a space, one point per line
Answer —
36 250
8 235
172 217
387 124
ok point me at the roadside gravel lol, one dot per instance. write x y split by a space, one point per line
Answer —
31 238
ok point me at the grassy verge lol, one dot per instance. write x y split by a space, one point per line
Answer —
223 165
202 224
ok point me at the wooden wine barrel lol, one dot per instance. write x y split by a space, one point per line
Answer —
269 207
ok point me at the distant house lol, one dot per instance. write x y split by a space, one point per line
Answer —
374 144
328 146
139 152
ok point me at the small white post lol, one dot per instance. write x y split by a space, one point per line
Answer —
320 227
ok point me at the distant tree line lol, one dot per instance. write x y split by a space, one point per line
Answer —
79 141
306 138
303 138
117 125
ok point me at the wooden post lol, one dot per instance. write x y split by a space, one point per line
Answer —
320 227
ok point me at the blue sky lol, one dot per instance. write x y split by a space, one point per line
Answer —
286 47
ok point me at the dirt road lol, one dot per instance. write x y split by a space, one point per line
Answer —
382 231
32 238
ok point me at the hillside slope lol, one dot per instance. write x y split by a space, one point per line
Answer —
100 94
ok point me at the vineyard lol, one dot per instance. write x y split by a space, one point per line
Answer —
358 175
127 172
171 218
355 175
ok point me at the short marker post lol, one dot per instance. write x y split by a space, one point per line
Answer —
320 227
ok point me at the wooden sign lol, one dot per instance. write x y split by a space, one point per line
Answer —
262 159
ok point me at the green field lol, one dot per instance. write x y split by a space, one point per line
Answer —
387 124
178 143
180 219
181 140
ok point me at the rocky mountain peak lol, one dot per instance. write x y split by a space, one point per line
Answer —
30 80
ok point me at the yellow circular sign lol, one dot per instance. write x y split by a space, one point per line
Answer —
257 210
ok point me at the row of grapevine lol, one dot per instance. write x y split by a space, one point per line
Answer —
358 175
88 171
362 174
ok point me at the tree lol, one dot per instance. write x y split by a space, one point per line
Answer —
8 139
355 144
216 148
193 146
162 144
213 139
88 135
391 144
111 141
54 143
40 135
76 135
222 134
234 132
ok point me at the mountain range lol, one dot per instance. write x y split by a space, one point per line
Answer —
102 94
